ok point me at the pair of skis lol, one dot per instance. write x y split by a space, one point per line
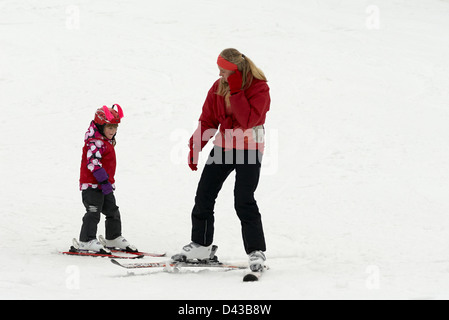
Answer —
173 266
114 252
170 266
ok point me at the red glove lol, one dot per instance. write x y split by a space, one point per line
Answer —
193 160
235 82
197 142
193 156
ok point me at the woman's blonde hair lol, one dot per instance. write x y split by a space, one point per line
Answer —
245 65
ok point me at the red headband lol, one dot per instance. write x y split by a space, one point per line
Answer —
225 64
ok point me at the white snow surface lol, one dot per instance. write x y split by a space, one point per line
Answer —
354 185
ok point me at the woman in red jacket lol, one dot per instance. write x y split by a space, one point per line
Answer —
237 105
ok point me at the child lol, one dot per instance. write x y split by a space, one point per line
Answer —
98 165
237 103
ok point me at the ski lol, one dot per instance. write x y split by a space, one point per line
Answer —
129 250
178 265
75 252
138 253
143 264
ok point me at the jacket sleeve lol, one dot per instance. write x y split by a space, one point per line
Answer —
250 107
208 123
95 150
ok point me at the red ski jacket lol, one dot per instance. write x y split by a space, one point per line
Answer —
241 121
98 152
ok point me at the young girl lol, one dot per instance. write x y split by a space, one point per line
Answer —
237 103
98 165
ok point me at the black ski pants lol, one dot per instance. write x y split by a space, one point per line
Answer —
96 203
247 165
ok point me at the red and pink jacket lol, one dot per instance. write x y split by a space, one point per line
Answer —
98 152
241 121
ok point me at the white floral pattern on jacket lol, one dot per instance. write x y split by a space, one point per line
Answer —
96 147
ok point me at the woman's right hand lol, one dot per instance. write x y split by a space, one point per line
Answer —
193 157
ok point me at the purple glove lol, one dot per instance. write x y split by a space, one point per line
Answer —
106 188
101 175
102 178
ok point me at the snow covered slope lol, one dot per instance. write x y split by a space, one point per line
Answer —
355 179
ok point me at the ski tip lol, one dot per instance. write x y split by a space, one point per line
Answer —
159 254
251 277
73 249
115 262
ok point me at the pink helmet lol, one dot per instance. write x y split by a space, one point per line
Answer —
108 115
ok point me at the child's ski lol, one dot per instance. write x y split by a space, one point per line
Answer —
75 251
104 255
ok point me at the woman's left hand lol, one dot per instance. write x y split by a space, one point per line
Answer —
235 82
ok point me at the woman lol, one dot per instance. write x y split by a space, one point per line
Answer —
237 103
